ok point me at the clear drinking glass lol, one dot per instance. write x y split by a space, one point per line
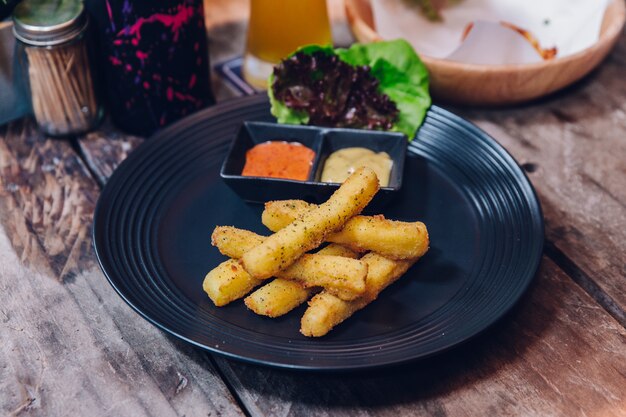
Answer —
278 27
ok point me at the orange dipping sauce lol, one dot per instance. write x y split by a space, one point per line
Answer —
278 159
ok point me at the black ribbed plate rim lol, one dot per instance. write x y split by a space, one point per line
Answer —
486 230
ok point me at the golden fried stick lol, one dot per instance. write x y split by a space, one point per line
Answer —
234 242
278 297
338 250
228 282
390 238
325 310
278 214
343 277
281 249
282 295
340 275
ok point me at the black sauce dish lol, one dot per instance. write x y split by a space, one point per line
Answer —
323 141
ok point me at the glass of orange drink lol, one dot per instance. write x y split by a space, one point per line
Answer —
277 28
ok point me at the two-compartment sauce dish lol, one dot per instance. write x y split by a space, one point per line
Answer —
269 161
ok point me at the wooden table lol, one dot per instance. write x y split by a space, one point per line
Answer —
71 346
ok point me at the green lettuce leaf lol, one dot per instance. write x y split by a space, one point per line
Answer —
401 73
283 113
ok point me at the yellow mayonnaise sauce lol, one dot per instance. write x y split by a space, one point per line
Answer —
340 164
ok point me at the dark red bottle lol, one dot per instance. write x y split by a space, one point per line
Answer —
155 60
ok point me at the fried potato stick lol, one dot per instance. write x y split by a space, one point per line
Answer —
278 297
390 238
340 275
325 310
278 214
234 242
338 250
228 282
343 277
281 249
282 295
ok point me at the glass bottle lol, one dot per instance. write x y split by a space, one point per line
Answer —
155 60
53 38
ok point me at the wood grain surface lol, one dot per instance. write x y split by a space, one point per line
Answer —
76 349
556 354
47 199
105 148
572 145
71 346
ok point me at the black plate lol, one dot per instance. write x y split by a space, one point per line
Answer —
154 218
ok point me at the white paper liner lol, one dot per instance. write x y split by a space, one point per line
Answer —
568 25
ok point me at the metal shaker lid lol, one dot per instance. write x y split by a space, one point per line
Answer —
48 22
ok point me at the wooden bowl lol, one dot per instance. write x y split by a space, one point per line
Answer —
461 83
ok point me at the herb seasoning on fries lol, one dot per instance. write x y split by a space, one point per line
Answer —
339 280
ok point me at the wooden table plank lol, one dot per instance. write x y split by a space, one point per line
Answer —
47 199
574 145
565 364
557 354
105 148
76 349
70 346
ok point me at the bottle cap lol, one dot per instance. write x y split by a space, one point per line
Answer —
48 22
